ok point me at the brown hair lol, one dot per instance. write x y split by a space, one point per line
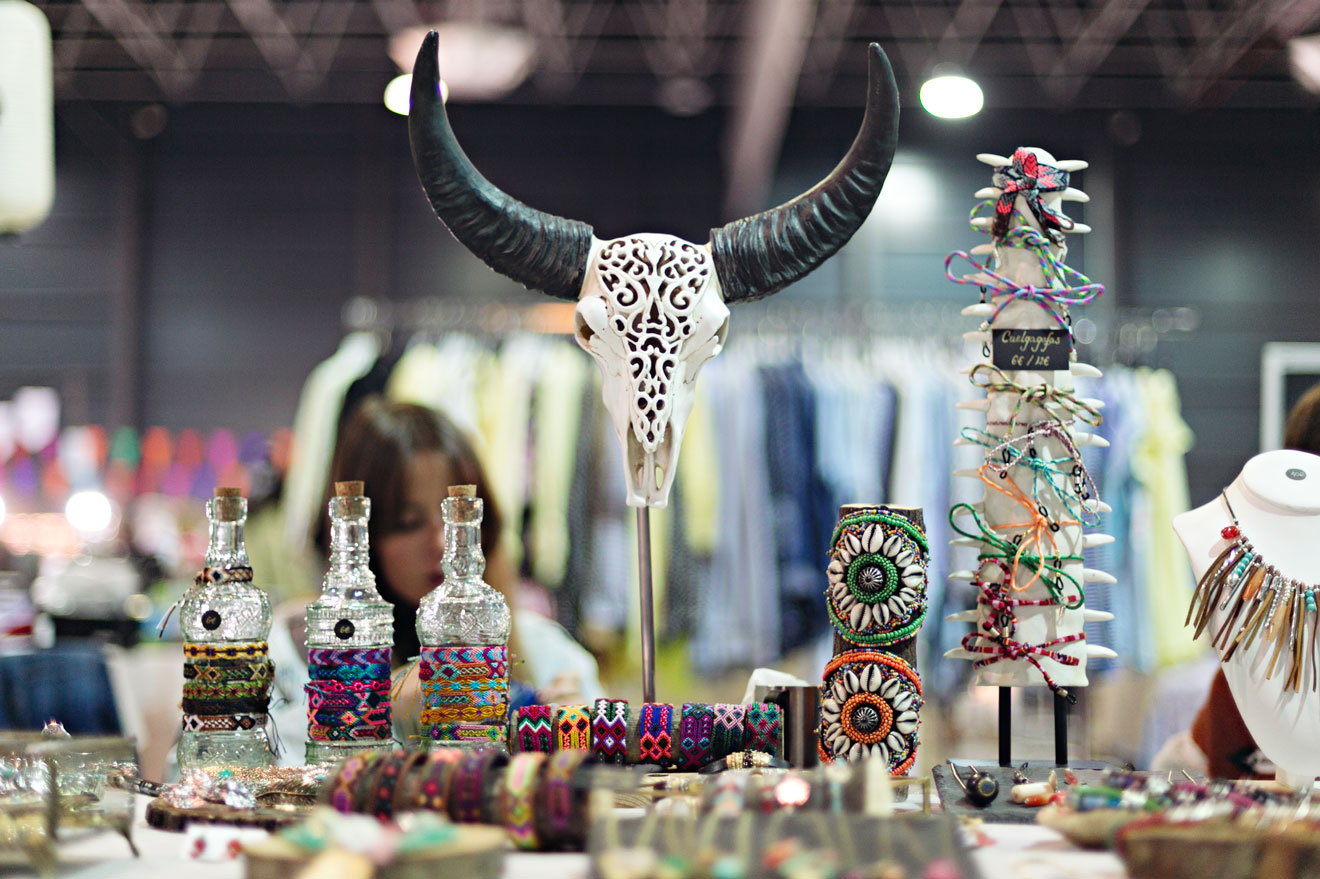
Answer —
1302 430
375 445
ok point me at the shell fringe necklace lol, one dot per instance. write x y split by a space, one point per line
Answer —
1261 603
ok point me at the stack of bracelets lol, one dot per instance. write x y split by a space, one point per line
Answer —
348 696
465 693
540 799
660 734
226 687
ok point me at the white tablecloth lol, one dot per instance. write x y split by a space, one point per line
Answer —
1005 850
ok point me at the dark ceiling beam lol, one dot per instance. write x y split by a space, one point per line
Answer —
1093 44
1279 21
136 29
966 30
769 67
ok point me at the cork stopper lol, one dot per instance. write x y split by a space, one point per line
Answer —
229 505
350 489
462 491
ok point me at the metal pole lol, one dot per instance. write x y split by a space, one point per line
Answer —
646 602
1005 726
1060 730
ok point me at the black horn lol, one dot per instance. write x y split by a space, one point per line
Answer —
766 252
538 250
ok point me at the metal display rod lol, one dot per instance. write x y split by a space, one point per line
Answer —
644 593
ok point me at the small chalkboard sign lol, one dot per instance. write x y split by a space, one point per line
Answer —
1037 350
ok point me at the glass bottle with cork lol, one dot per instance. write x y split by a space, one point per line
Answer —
227 670
463 626
350 636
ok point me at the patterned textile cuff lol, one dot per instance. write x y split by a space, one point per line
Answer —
468 784
695 731
518 792
727 736
609 731
655 742
764 729
434 791
573 728
561 806
533 729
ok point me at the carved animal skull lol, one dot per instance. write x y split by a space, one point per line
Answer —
651 309
651 315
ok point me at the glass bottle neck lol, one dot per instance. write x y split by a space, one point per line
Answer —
463 559
226 547
350 546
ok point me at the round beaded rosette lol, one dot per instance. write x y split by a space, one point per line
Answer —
869 708
877 577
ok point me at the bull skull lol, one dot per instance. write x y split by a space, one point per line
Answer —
651 309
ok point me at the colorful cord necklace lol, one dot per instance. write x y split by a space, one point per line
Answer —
1258 599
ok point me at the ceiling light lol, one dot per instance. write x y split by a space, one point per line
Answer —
951 96
478 61
398 94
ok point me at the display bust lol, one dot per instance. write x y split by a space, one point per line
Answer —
1276 503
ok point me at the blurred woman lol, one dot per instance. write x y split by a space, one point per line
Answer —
408 456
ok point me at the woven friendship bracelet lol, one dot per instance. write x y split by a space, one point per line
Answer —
411 776
533 729
350 656
573 728
226 671
245 705
434 790
467 713
235 574
517 795
764 728
448 663
212 651
609 731
468 782
222 722
326 733
387 778
462 686
695 732
656 743
348 674
343 781
469 732
727 734
560 807
231 690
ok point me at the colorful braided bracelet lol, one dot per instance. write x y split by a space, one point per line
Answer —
573 728
609 731
656 743
533 729
518 795
695 732
727 733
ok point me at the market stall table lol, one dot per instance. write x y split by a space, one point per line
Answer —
1005 850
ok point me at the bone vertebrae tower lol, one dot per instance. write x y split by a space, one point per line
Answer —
1028 530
